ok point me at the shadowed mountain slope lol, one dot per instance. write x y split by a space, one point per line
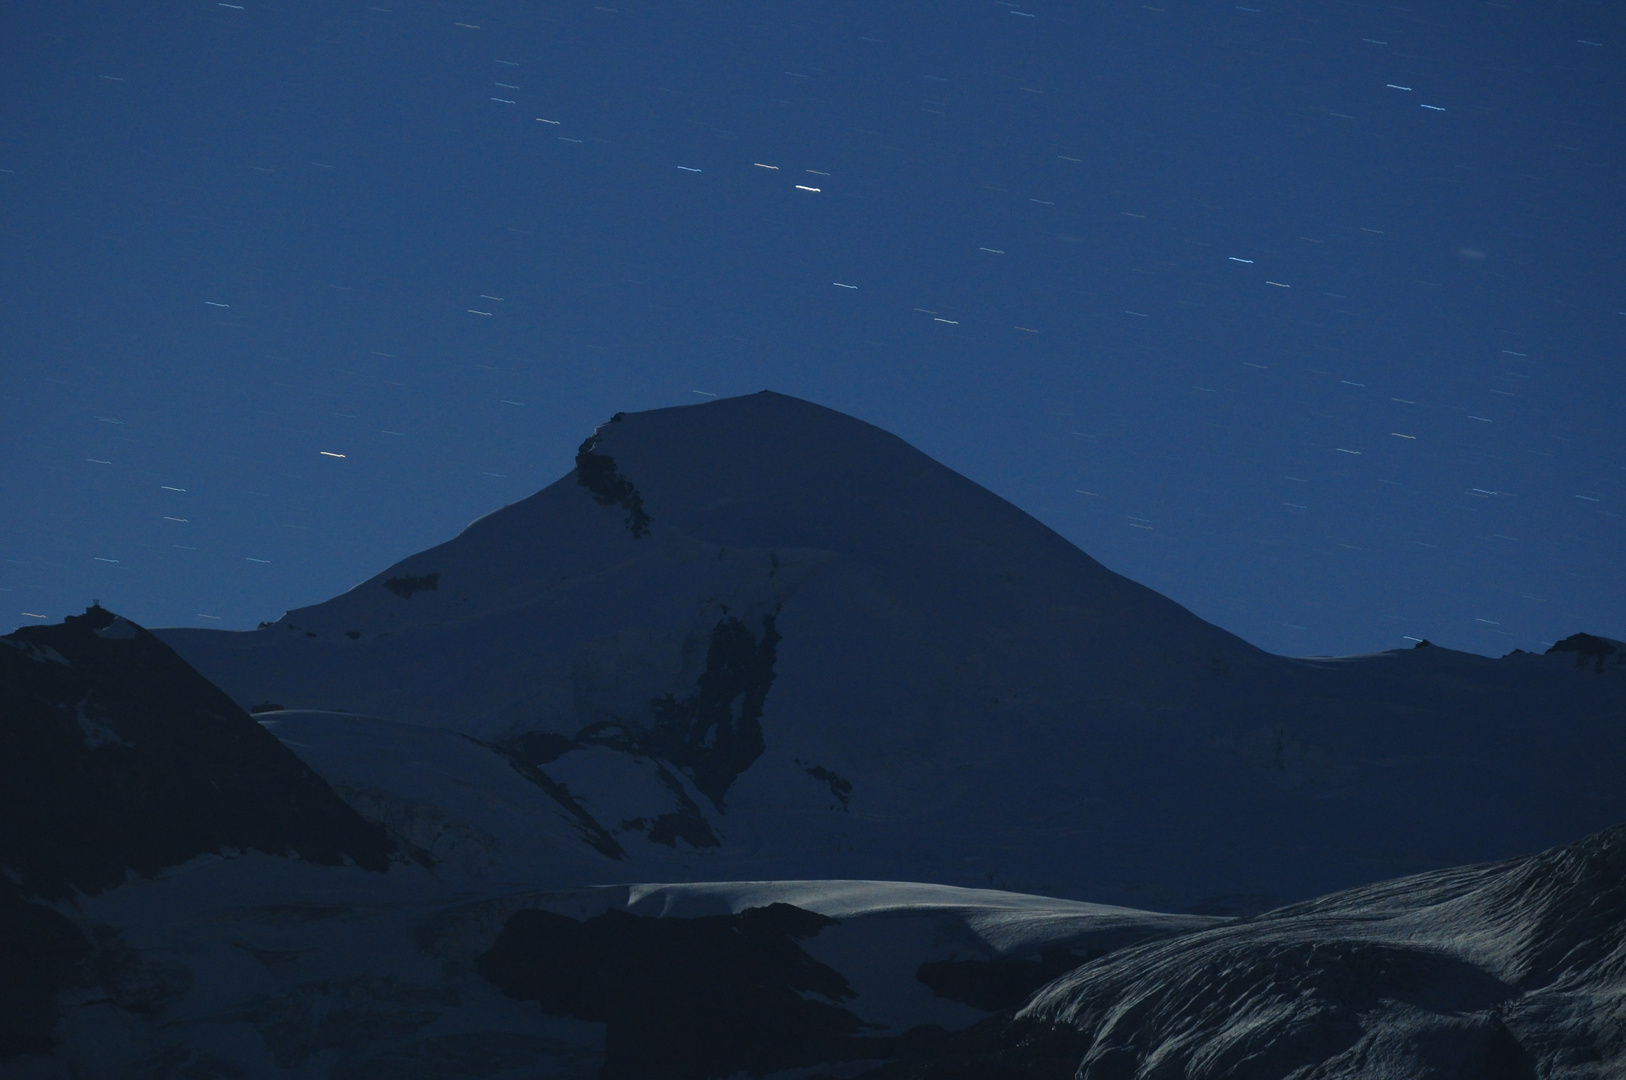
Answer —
119 760
758 638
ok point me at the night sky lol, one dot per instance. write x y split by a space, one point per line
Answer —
1308 315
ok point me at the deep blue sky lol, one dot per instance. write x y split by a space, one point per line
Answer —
1252 247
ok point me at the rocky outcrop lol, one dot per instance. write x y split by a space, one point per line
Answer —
404 585
703 732
1602 652
682 998
597 473
712 734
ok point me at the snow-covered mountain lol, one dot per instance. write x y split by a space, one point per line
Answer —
778 659
758 639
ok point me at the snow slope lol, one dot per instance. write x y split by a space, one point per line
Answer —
1506 970
755 638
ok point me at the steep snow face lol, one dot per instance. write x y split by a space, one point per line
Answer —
772 641
1508 970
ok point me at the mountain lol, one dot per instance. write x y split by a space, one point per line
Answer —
757 639
117 760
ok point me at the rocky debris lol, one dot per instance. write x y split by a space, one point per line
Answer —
682 998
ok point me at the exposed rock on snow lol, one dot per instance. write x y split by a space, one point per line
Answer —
467 809
405 587
597 473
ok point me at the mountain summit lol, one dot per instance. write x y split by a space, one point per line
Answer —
758 638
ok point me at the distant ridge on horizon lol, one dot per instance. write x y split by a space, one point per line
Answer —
755 637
